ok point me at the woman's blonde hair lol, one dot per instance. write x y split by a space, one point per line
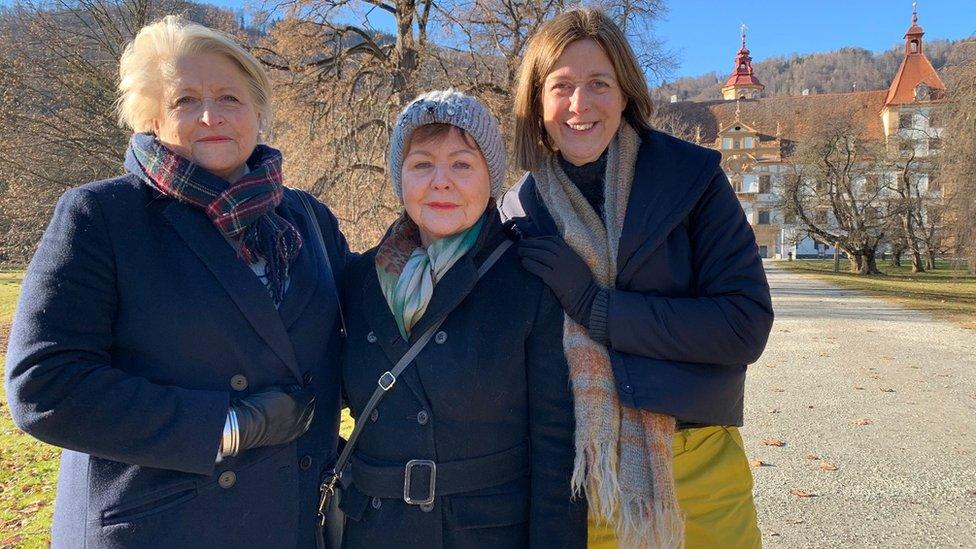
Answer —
532 143
148 61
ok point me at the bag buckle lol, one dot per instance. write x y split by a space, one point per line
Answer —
386 381
406 481
326 491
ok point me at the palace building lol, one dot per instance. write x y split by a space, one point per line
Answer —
756 135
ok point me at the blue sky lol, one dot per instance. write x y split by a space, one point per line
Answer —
705 34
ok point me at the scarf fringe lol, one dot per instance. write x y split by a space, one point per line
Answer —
595 475
643 523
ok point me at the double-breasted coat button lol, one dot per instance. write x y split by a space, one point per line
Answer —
305 462
376 503
374 415
371 337
238 382
307 378
440 337
227 479
427 507
423 417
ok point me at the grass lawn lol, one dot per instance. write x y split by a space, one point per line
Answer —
29 468
946 292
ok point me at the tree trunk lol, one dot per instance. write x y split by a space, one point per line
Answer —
930 260
857 260
917 266
868 264
896 257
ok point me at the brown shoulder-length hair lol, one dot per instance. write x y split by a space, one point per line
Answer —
532 143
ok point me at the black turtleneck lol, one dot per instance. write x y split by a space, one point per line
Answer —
588 178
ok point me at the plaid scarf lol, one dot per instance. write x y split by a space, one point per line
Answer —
623 455
244 212
408 272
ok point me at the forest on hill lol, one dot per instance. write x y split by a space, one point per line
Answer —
823 72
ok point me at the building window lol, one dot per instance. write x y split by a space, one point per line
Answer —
726 142
765 185
735 143
763 252
747 142
871 183
737 184
764 217
934 185
905 121
935 144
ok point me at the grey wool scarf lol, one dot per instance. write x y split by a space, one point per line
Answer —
623 455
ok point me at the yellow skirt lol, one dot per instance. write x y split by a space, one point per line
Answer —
714 490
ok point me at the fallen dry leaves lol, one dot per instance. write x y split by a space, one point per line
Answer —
827 466
812 456
754 463
773 442
802 493
861 421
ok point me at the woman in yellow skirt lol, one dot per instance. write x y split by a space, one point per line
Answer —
642 239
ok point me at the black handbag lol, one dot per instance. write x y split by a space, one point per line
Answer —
332 520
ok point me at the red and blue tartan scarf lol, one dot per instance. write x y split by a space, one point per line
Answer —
243 211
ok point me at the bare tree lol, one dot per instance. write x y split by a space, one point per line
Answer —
957 168
838 190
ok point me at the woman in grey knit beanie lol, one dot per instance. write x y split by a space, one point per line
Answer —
445 460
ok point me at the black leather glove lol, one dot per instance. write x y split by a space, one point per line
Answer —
273 416
565 272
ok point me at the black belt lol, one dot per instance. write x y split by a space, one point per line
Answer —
419 481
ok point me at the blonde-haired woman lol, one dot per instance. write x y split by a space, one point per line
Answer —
641 238
179 324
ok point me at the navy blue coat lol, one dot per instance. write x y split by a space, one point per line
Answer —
691 306
137 324
493 382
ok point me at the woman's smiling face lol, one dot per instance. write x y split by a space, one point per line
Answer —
582 102
208 115
446 184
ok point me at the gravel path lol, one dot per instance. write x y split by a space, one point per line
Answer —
884 394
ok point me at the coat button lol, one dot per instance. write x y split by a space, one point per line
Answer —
371 337
376 503
626 388
374 415
427 507
305 462
238 382
422 417
440 337
307 378
227 479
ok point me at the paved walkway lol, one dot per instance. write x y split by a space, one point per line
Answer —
884 394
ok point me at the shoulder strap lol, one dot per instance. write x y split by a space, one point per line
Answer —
386 381
314 221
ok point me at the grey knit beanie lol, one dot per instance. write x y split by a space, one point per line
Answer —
457 109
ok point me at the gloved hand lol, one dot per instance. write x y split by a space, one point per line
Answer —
565 272
273 416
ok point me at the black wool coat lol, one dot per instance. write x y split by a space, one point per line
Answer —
492 384
691 305
137 325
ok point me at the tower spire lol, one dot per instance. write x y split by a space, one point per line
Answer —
742 84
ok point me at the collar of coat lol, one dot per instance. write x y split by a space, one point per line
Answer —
670 177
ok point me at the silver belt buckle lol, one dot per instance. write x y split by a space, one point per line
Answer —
406 481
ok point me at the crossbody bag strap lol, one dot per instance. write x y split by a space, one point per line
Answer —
388 379
314 220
